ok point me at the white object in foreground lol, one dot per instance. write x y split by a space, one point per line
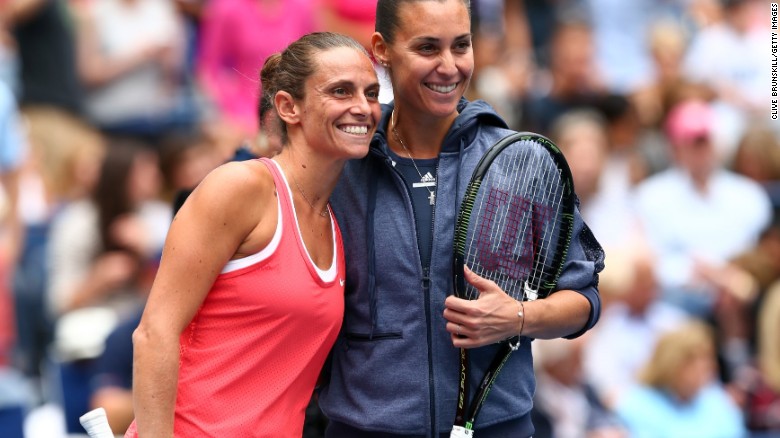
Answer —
461 432
95 423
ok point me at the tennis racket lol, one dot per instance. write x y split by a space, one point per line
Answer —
95 423
513 227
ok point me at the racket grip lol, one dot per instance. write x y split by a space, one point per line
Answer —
95 423
461 432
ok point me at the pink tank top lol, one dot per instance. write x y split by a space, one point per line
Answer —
252 354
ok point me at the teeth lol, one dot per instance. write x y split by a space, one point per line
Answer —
358 130
442 88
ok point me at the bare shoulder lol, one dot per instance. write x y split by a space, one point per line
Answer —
237 182
236 195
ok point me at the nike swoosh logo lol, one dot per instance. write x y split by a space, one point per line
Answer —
341 282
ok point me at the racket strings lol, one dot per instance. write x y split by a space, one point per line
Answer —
516 208
489 202
551 215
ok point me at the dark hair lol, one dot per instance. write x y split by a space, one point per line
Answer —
111 194
289 70
387 16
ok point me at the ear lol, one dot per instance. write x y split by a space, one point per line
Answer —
286 108
379 48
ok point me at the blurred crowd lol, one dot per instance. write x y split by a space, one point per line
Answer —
109 109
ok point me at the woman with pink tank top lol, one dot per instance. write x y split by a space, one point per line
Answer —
248 299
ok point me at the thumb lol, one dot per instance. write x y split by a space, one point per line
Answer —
483 285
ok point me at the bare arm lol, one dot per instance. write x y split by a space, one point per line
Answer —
215 224
494 316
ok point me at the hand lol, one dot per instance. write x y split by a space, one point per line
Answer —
130 232
491 318
113 269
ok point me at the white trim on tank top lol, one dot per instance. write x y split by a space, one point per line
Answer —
325 275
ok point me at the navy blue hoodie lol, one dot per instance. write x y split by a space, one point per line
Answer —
394 368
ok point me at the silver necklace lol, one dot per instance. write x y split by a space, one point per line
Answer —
323 213
431 193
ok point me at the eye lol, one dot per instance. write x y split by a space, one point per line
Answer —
463 46
340 91
427 49
372 94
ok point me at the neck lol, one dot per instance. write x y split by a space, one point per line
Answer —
420 140
310 183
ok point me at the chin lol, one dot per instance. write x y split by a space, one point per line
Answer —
445 110
357 151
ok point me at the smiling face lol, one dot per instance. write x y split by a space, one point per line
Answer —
430 57
340 109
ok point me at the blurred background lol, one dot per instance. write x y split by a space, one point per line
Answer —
111 109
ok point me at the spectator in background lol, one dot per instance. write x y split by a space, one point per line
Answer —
749 277
9 61
236 38
620 32
565 404
728 56
667 43
530 26
98 244
582 135
63 167
13 156
103 252
758 157
680 395
185 159
762 384
15 396
684 211
633 319
45 46
760 262
50 97
131 59
573 79
633 153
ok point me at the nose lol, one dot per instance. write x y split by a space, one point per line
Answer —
362 107
447 63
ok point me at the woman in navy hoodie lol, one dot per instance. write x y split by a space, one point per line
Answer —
394 369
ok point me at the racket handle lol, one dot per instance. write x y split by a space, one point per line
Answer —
461 432
95 423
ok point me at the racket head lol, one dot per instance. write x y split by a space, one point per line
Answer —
514 227
516 219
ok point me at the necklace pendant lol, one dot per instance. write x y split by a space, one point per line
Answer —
432 198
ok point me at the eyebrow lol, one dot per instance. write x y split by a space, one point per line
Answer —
348 83
430 39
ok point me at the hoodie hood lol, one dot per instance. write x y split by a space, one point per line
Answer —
464 129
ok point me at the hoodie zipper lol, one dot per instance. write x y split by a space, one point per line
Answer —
426 285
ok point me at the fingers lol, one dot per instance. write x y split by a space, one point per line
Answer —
486 320
456 329
459 334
